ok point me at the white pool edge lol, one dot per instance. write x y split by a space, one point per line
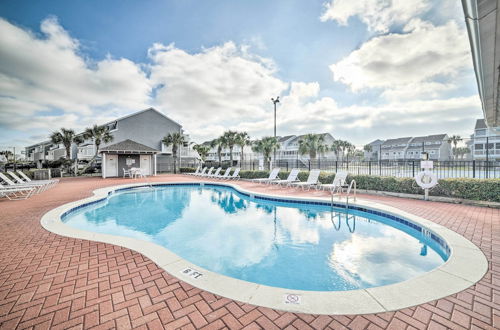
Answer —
465 266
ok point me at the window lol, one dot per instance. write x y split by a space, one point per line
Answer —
479 146
480 132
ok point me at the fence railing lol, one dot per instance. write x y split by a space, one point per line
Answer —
443 169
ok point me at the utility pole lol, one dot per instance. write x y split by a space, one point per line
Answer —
275 101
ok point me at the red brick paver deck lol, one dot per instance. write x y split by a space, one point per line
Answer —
49 281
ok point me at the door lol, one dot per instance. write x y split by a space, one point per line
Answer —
111 165
146 164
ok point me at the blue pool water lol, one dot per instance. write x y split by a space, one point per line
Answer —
287 245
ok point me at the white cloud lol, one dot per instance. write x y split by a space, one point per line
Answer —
378 15
49 74
409 64
214 88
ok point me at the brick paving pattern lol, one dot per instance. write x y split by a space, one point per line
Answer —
49 281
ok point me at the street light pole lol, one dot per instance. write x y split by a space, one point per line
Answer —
275 101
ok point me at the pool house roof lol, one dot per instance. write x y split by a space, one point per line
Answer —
128 147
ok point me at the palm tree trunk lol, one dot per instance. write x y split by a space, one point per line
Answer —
174 154
241 155
231 155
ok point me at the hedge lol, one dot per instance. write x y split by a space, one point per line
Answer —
473 189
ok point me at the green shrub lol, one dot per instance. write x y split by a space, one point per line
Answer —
473 189
187 170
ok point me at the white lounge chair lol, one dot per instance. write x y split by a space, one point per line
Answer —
226 174
312 180
216 174
27 179
292 177
198 169
235 175
203 171
272 176
209 173
17 193
18 180
339 182
38 186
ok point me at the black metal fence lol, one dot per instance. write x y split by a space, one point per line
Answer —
409 168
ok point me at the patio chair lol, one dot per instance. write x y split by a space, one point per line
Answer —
203 171
38 186
292 177
18 180
272 176
209 173
198 169
27 178
216 174
312 180
16 193
127 173
339 182
226 174
235 175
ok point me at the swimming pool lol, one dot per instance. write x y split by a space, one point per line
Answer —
288 245
289 253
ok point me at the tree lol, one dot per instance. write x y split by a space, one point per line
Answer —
336 148
312 144
218 143
202 150
242 140
98 134
462 151
266 146
230 139
66 137
351 149
175 140
454 139
367 148
8 154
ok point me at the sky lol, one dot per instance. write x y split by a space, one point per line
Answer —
360 70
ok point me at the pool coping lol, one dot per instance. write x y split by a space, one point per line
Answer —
465 266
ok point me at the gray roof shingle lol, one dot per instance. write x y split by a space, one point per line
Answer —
128 146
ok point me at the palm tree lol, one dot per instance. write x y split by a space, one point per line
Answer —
367 148
336 148
351 149
8 154
462 151
66 137
242 140
342 147
175 140
98 134
266 146
202 150
230 139
454 139
218 143
312 144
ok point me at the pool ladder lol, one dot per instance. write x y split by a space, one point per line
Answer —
351 188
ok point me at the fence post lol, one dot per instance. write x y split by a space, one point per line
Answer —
287 165
369 167
309 165
336 166
413 168
474 169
